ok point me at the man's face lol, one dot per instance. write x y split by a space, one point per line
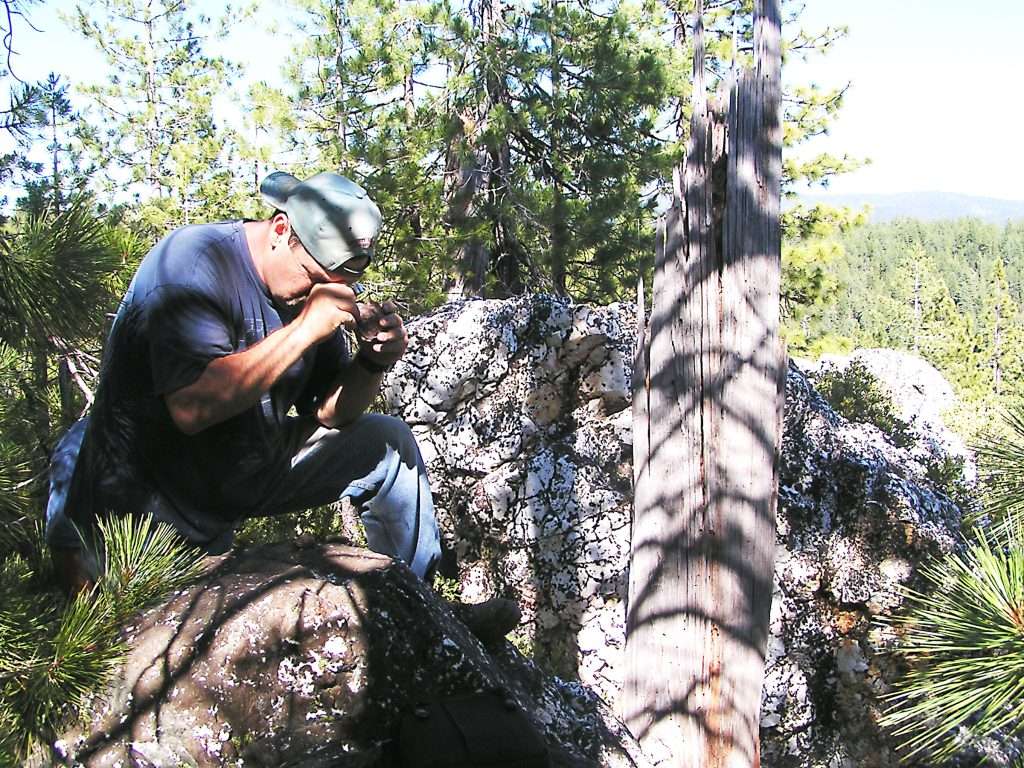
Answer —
298 271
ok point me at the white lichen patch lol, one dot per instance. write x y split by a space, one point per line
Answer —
298 677
336 647
355 679
208 739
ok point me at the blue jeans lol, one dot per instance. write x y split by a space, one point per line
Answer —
374 461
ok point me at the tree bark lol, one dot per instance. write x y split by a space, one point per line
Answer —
466 172
709 392
559 228
478 184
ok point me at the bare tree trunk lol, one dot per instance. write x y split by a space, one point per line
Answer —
465 173
707 423
58 199
338 19
152 121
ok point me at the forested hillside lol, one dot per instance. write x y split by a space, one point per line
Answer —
950 291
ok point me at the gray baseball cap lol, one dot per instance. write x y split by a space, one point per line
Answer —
333 216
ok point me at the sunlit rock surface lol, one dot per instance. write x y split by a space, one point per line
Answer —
310 657
522 409
921 395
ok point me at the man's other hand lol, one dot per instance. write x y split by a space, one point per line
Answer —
329 307
382 335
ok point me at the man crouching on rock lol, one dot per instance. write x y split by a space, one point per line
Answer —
225 329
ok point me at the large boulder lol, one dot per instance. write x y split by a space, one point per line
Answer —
856 517
921 396
287 656
522 410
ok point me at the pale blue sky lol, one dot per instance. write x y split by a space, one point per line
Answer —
934 96
933 99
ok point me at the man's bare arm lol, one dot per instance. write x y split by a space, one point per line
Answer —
234 383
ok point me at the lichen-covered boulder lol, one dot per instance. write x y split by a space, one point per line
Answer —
921 396
522 410
286 656
856 517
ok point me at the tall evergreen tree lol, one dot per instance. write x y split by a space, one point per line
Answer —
65 171
1000 331
947 340
495 110
159 136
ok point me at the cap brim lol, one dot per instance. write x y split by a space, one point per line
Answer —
277 187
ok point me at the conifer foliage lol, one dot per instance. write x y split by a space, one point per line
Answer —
964 639
54 655
1001 463
153 128
513 147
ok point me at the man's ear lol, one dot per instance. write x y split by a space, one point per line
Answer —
280 226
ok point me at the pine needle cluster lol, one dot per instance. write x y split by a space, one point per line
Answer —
963 632
1001 463
55 655
965 643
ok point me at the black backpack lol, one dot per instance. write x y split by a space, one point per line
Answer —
471 731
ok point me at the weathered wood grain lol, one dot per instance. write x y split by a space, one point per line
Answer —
708 411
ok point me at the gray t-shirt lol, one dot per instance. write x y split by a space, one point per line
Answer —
195 297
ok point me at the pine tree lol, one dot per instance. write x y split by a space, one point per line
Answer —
945 336
1000 331
66 170
53 269
480 137
478 166
159 137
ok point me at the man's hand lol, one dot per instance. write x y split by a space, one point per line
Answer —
382 340
382 335
328 307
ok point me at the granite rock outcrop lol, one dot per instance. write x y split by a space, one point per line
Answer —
522 408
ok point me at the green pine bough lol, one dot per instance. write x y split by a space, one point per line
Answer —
1001 464
52 660
964 642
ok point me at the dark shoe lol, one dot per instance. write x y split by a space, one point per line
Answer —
490 620
70 568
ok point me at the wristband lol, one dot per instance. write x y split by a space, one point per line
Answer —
370 365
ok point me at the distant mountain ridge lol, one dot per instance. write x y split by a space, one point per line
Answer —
926 206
